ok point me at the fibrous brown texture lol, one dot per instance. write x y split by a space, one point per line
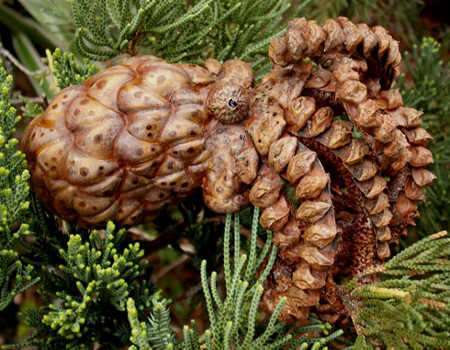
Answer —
350 71
146 133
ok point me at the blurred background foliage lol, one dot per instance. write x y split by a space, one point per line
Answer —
46 45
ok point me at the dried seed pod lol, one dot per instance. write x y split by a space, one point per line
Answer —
281 152
276 216
311 211
125 166
267 187
306 278
422 176
418 136
321 120
228 102
300 165
420 156
391 138
311 186
301 109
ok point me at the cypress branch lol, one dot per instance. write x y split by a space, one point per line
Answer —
234 321
93 281
172 29
410 307
15 275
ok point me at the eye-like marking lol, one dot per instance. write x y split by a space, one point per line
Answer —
232 103
228 102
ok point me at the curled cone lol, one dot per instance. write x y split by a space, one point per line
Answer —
145 133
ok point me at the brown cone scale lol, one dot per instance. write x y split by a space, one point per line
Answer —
145 133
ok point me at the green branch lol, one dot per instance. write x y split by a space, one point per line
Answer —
234 319
410 308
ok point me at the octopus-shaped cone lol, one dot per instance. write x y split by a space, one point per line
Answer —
146 133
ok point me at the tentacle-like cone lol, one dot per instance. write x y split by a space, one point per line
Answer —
146 133
352 68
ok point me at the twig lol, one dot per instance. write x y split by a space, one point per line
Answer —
190 292
143 235
374 270
166 237
20 101
171 234
21 67
166 269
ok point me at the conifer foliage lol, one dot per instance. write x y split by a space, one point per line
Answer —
232 317
15 275
67 71
89 290
410 308
173 29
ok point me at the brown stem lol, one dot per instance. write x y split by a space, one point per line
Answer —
166 237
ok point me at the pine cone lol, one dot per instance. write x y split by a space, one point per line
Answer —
146 133
354 67
139 135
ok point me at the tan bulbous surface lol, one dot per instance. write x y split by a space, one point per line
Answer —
131 139
312 145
